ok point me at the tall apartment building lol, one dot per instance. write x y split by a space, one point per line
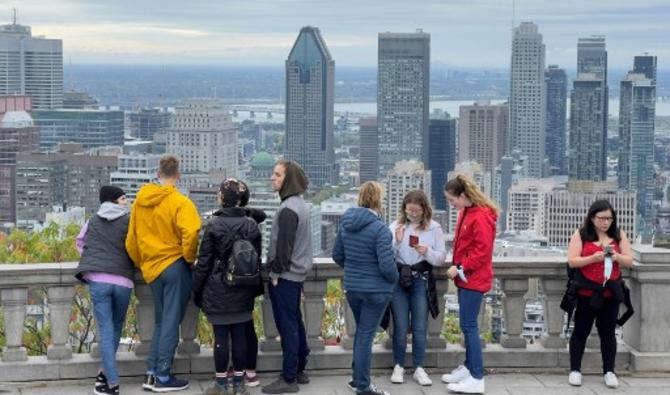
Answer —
133 171
555 135
526 205
17 134
482 131
68 177
146 122
528 107
403 88
441 155
310 101
506 174
334 208
31 66
91 128
204 137
637 113
368 153
566 207
404 177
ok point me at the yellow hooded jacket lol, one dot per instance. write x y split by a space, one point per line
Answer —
164 226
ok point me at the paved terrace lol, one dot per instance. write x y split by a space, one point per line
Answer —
643 359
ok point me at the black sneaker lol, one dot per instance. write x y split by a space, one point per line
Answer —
372 390
351 386
280 386
302 378
100 380
149 382
172 384
106 390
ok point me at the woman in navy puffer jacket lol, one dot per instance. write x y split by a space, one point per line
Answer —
364 249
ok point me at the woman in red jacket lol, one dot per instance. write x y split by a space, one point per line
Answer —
472 272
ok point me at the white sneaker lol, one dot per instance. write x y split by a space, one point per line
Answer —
575 378
468 385
397 376
456 375
421 377
610 380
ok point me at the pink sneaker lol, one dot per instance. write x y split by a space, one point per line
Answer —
251 381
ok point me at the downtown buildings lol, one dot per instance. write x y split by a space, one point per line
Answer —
555 137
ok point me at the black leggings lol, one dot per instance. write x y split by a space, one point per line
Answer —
252 345
605 319
223 336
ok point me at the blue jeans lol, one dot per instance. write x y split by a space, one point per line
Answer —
469 302
368 309
171 292
410 306
110 304
285 299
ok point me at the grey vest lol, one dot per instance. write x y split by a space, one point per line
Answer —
301 257
105 248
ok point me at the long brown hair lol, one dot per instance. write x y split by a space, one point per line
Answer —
463 185
416 196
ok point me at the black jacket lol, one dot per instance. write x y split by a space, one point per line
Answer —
211 292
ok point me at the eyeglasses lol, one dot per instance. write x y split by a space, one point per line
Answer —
604 219
419 211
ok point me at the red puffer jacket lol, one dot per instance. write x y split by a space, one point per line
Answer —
473 247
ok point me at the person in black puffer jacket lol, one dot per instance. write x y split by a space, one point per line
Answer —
228 308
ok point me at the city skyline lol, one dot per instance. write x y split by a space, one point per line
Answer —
221 33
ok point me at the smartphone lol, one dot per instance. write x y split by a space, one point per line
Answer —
608 250
413 240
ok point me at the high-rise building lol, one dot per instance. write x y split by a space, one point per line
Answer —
555 136
91 128
528 107
645 64
403 88
133 171
17 134
75 100
334 208
31 66
482 130
506 174
637 111
404 177
441 155
204 137
588 149
565 208
526 205
310 79
146 122
369 151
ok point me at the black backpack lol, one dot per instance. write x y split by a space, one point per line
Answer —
243 266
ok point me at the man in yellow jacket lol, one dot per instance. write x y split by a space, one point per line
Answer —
162 241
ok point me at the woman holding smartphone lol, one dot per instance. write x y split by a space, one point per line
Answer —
418 244
472 272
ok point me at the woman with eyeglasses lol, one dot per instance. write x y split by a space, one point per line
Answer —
418 244
598 249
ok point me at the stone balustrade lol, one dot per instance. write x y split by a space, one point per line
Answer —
646 346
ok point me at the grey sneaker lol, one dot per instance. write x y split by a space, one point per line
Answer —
302 378
280 386
149 382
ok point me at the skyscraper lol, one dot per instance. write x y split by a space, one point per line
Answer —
645 64
482 130
368 153
31 66
92 128
557 86
404 177
441 156
403 79
310 75
528 97
637 111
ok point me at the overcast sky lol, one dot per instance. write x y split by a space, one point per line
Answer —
464 33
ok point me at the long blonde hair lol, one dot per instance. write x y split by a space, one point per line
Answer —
371 195
463 185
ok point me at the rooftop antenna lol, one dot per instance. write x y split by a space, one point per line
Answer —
513 13
14 18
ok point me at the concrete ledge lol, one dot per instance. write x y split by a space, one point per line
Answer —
649 361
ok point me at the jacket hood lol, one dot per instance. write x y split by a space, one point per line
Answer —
111 211
153 194
357 218
295 181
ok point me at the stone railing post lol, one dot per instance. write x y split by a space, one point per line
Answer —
553 315
189 327
314 305
349 327
14 307
269 342
145 317
435 339
514 307
60 311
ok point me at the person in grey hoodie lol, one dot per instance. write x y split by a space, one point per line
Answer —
107 269
289 259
